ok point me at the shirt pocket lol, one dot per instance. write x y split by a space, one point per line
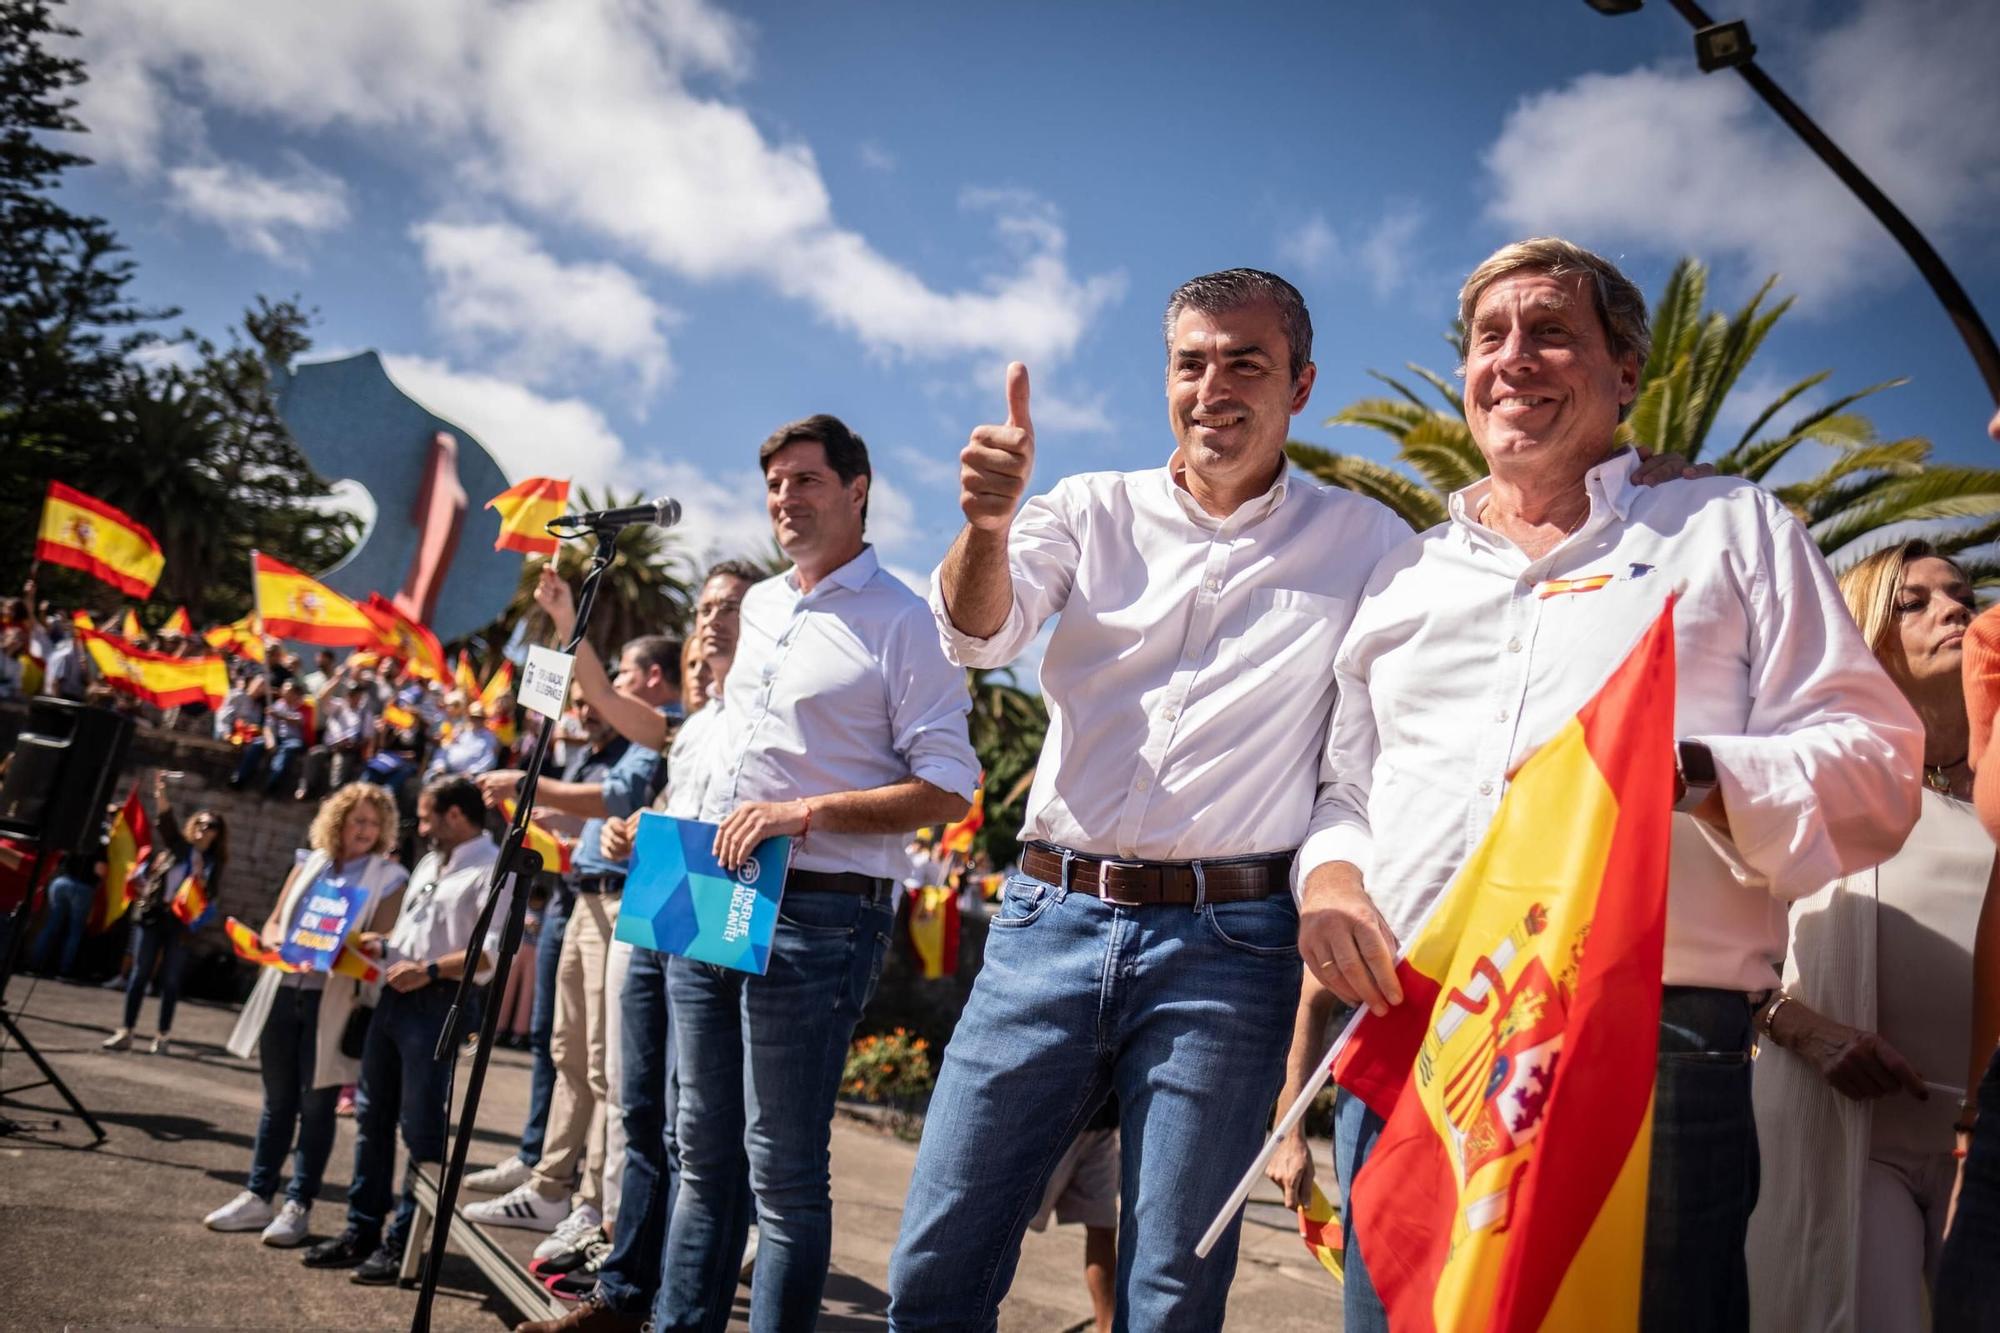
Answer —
1292 633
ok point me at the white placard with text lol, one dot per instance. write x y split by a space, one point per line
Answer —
545 682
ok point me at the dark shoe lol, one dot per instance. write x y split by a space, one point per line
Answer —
380 1269
346 1250
589 1317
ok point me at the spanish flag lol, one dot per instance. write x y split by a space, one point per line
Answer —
406 639
525 511
958 837
125 853
129 627
1319 1228
178 625
555 851
190 901
1508 1188
250 947
501 682
156 678
464 678
934 930
82 532
399 717
294 605
240 637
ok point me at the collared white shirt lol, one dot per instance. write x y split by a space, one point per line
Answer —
1466 655
1189 679
441 905
840 689
469 751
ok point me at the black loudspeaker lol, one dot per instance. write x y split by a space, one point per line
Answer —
61 774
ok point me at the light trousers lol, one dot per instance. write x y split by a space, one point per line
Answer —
573 1148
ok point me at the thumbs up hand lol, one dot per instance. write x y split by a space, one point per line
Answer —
995 464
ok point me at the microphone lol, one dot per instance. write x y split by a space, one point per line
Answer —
662 511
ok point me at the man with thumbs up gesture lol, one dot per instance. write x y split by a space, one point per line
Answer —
1149 946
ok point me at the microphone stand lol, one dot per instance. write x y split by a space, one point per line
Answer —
514 867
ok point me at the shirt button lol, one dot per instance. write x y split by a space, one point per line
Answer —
1500 715
1170 714
1142 782
1513 645
1485 789
1213 585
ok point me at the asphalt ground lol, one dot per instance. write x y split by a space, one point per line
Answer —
110 1237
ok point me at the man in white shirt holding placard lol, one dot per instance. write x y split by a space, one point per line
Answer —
1478 639
1149 946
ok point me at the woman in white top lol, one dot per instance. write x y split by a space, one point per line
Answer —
1861 1045
296 1019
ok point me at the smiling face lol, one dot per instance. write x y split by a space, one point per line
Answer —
1933 607
1543 388
813 513
718 617
1230 393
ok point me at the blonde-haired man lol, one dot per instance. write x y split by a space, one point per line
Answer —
1477 639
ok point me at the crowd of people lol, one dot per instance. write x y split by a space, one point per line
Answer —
1279 722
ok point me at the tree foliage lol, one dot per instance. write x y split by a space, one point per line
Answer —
1868 491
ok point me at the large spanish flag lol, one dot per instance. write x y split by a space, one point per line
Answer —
159 679
125 853
525 511
295 605
1508 1188
82 532
407 639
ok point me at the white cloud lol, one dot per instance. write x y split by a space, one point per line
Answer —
268 214
497 289
580 113
1378 250
1670 160
531 435
875 157
937 467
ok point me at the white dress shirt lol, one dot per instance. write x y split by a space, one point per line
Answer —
1189 679
441 905
690 762
840 689
1466 655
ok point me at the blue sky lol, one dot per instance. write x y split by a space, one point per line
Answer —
621 241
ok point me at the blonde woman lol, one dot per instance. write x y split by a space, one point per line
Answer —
296 1020
1862 1047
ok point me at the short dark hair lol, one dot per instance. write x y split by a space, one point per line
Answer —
655 650
1234 288
735 569
846 453
460 794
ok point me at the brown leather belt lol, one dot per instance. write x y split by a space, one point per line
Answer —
824 881
1144 883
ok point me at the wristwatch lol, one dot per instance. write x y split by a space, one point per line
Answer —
431 971
1694 775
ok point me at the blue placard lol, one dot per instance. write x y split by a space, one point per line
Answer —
679 900
331 909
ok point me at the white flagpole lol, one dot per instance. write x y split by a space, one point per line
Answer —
1292 1116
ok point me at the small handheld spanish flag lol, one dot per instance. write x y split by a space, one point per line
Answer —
934 930
83 533
1319 1227
125 852
190 901
178 625
525 511
957 837
555 851
129 627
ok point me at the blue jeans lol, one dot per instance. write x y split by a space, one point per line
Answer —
630 1277
284 761
1355 1129
402 1085
62 929
157 943
760 1065
286 1055
1703 1172
1967 1297
1183 1012
542 1023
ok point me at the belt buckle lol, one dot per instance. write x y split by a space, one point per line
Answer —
1104 895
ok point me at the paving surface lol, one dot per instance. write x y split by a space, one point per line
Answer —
110 1237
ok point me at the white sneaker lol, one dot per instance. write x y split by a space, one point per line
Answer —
163 1044
500 1178
289 1227
582 1226
245 1212
119 1040
519 1207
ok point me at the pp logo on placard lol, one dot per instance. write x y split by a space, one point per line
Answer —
748 872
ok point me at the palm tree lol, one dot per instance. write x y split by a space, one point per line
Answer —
1870 492
649 589
1007 725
